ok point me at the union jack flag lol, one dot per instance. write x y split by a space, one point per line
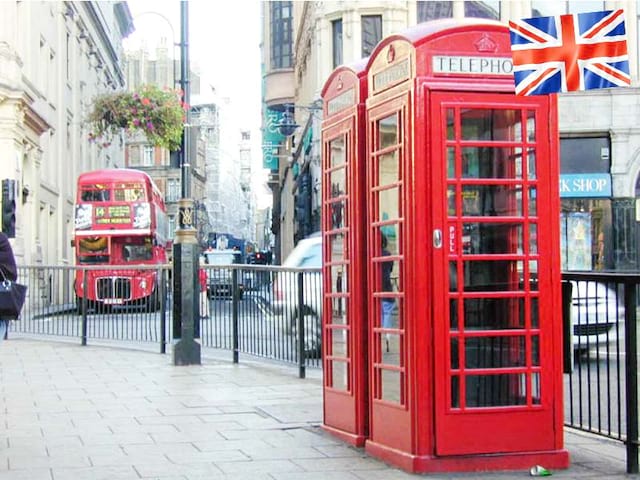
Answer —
572 52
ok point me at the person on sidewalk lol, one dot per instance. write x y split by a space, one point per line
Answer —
204 299
10 271
387 304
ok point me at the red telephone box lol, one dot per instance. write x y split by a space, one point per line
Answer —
344 281
463 266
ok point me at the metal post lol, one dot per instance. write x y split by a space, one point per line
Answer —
631 368
186 350
234 315
85 302
162 288
301 355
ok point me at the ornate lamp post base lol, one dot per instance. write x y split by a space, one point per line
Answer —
186 316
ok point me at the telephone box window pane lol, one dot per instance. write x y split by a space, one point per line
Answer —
338 279
492 276
492 238
453 277
338 311
536 393
532 171
451 162
491 162
451 132
337 217
491 200
391 349
339 342
453 314
389 240
492 125
337 247
535 350
500 390
455 392
494 352
338 179
388 204
533 204
451 200
388 131
535 317
337 151
455 361
389 276
533 238
388 313
391 386
340 375
533 275
493 313
388 168
531 126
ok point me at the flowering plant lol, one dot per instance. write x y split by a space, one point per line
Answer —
159 114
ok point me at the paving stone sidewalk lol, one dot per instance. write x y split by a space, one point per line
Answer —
73 413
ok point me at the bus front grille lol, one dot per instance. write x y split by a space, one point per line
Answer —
114 288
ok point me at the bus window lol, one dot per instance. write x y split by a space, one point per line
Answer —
94 194
137 253
93 250
129 193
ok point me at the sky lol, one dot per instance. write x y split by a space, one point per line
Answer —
224 47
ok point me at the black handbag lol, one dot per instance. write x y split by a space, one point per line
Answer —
12 296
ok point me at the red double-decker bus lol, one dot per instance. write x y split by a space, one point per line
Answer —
120 221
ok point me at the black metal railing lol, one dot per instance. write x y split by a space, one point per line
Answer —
601 356
275 313
246 309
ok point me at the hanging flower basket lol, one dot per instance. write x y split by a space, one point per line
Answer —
158 114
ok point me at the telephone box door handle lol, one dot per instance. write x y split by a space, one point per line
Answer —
437 238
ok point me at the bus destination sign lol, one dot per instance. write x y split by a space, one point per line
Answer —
116 214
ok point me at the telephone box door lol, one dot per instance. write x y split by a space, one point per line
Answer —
495 388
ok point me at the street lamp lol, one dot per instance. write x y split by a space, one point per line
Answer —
288 126
186 351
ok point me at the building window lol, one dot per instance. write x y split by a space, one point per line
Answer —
281 43
486 9
336 35
544 8
147 156
133 155
172 225
428 10
173 190
586 218
371 33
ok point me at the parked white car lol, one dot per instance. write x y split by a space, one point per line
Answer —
596 312
306 254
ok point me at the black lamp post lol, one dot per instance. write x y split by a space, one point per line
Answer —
186 316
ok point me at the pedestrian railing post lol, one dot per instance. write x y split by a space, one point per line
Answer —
300 320
163 309
631 367
234 313
84 302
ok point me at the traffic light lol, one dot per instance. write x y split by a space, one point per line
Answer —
9 207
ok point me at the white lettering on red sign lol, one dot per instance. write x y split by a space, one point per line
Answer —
464 65
452 239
